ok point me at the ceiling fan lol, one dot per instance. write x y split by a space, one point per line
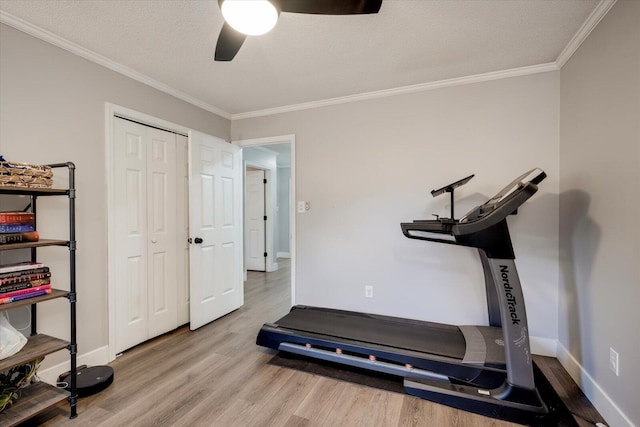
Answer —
255 17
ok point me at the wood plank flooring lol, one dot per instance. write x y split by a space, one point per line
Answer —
217 376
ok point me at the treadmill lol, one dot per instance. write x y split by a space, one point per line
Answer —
482 369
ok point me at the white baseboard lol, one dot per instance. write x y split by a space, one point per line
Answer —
544 346
596 395
283 255
99 356
273 267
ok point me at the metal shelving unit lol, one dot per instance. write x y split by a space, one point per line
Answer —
41 396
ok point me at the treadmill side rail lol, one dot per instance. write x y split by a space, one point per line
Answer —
361 362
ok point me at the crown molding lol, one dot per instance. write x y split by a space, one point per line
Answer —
592 21
49 37
477 78
583 32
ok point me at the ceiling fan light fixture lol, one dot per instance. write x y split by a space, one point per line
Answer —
250 17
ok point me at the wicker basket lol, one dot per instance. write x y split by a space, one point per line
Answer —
14 174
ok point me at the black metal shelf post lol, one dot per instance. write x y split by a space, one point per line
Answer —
73 345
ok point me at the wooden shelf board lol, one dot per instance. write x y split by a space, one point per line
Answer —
55 293
37 346
33 191
39 243
33 400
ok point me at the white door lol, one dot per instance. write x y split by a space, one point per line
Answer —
254 210
215 228
146 233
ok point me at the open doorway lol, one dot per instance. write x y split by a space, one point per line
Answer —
275 157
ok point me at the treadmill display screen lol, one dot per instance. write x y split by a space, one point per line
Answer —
534 176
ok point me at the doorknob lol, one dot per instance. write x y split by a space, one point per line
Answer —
154 241
198 240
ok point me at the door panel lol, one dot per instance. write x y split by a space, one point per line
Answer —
131 235
215 195
162 242
146 233
254 223
136 313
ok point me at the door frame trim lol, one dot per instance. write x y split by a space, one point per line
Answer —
113 111
282 139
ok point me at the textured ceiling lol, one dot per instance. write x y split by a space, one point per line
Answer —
310 58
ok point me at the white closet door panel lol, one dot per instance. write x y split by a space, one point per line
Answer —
131 234
135 291
162 241
147 233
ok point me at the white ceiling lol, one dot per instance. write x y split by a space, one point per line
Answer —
307 58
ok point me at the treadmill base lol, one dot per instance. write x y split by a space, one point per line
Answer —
506 402
515 405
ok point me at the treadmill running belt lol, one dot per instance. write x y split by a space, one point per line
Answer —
413 335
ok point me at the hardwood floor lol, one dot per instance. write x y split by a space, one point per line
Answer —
217 376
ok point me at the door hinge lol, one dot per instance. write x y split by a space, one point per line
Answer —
265 217
264 181
265 254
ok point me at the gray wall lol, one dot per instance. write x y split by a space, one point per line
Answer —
599 211
367 166
53 110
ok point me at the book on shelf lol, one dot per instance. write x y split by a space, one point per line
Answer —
17 217
21 278
20 266
5 289
23 273
16 228
25 291
27 236
32 294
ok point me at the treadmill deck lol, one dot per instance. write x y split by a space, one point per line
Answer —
412 335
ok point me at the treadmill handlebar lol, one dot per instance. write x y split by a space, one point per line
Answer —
435 226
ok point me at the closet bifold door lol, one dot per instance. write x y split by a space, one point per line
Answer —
146 232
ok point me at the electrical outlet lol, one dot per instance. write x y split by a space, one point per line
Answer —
303 206
368 291
613 361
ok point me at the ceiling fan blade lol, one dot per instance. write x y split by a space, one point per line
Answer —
229 43
330 7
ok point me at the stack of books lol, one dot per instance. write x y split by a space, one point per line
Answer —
23 280
17 227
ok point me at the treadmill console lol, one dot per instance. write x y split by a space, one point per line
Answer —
534 176
479 219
